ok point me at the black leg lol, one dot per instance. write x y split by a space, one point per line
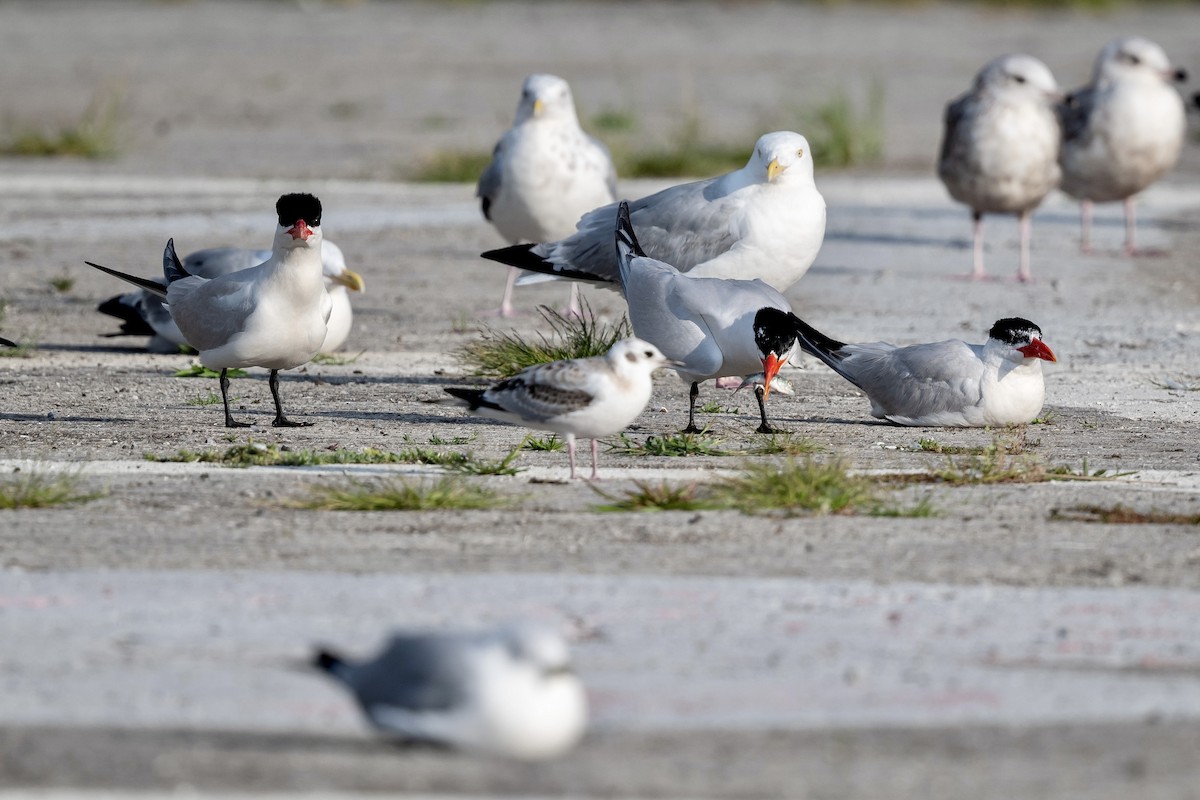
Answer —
280 420
759 392
230 422
692 395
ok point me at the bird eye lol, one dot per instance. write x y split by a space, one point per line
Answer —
648 354
1019 78
1134 59
800 153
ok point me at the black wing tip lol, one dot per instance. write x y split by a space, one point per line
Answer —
473 396
7 342
132 321
300 205
625 230
327 661
153 287
518 255
173 268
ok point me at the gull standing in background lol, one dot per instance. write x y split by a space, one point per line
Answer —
1121 132
709 326
145 314
590 397
1000 147
273 315
509 692
545 173
765 220
949 383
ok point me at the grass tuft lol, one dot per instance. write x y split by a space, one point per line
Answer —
784 444
400 495
39 490
333 360
500 355
840 134
452 166
200 371
93 135
547 444
210 399
258 454
663 496
675 444
689 154
1122 515
61 284
797 486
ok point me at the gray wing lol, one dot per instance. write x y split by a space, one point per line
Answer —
683 225
489 182
546 391
1074 114
610 176
216 261
419 672
956 112
210 313
915 381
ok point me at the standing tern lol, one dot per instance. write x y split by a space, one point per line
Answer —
508 692
545 173
765 220
272 315
143 313
1000 147
590 397
1123 131
949 383
709 326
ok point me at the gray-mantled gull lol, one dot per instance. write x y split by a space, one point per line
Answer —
708 326
144 313
272 315
949 383
1000 147
765 220
545 173
1123 131
508 692
589 397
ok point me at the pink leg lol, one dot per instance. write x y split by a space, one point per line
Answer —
1085 226
977 228
595 461
1130 227
571 453
506 307
1025 222
572 309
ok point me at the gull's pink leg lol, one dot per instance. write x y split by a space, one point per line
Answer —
571 453
572 309
506 307
977 228
1085 226
595 461
1130 226
1024 220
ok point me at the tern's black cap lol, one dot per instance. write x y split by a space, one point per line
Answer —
292 207
1014 330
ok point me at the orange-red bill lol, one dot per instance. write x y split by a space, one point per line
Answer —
771 365
1038 349
300 230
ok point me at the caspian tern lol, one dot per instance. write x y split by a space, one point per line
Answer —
1000 147
145 314
709 326
949 383
272 315
589 397
545 173
509 692
765 220
1123 131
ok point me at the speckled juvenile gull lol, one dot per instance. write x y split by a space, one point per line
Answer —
709 326
1000 147
508 692
948 383
1123 131
143 313
765 220
590 397
545 173
273 315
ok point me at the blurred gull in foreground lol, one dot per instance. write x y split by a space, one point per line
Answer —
1000 147
508 692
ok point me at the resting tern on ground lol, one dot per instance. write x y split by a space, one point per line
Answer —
590 397
1121 132
1000 147
145 314
950 383
508 692
545 173
709 326
765 220
273 315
